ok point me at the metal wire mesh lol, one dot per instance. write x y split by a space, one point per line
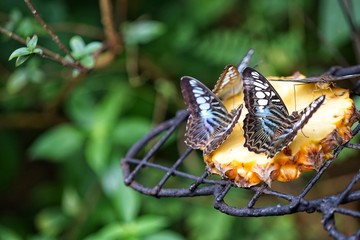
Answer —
204 185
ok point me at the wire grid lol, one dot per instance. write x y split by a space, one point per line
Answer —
204 186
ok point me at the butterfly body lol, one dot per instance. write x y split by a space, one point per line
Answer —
268 127
209 123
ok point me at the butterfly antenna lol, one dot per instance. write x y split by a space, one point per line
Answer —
294 87
303 133
257 64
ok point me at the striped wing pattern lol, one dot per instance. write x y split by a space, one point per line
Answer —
268 127
229 83
209 123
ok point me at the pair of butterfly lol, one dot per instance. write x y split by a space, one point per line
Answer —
268 126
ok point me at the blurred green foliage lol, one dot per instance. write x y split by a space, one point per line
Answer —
62 138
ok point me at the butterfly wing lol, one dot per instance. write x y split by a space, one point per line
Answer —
229 83
225 132
259 96
298 121
209 123
230 80
268 127
245 61
267 112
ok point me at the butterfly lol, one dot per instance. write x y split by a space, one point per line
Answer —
268 127
209 123
230 81
323 82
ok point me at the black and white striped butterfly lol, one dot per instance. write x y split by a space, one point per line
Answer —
268 127
230 81
209 123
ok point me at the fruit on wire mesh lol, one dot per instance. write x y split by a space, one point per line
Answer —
328 128
137 160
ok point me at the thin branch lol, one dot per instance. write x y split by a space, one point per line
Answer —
55 38
112 36
16 37
48 54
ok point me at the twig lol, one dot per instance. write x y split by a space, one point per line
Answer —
55 38
48 54
112 37
16 37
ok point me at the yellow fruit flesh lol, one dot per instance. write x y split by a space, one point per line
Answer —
328 128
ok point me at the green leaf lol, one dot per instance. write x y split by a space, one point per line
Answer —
164 235
110 231
31 43
92 47
22 54
27 26
88 61
136 230
125 200
38 51
15 17
142 31
97 154
108 110
20 60
198 216
75 73
71 202
106 113
51 221
17 81
77 44
129 130
80 107
19 52
148 224
40 237
8 234
58 143
82 52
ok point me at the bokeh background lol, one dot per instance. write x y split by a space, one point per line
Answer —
62 138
